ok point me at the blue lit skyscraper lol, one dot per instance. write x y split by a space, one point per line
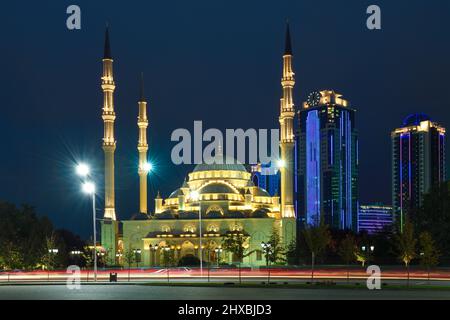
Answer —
374 218
327 162
267 177
418 162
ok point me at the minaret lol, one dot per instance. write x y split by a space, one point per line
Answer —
142 149
287 133
108 116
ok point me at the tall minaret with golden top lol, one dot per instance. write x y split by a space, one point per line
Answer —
108 116
287 132
142 149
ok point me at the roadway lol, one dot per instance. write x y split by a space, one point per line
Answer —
146 292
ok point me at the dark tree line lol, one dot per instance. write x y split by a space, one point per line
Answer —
25 237
425 239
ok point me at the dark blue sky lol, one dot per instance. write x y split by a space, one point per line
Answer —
216 61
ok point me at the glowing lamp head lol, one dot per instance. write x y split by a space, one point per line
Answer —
88 187
147 167
195 195
281 163
83 169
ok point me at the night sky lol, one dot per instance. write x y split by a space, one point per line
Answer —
216 61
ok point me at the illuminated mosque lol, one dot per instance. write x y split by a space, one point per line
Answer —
216 200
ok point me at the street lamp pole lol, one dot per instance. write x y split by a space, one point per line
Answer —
95 236
83 170
200 233
195 196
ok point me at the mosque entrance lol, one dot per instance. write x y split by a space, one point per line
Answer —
187 248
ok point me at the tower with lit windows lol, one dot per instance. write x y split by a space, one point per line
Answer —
286 132
327 162
108 116
418 163
109 224
142 149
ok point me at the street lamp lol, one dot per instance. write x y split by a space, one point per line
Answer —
83 170
88 187
147 167
167 249
281 163
218 252
267 247
137 254
195 196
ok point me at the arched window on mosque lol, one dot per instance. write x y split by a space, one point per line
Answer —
165 228
189 228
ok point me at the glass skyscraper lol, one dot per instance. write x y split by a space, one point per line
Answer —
327 162
418 162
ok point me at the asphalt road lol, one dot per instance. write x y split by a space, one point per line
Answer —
141 292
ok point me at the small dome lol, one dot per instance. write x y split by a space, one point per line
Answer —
260 192
228 163
216 188
176 193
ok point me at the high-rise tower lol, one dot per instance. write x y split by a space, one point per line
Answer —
418 163
142 149
108 116
327 162
287 134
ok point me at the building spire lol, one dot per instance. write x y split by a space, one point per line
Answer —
287 44
107 50
287 114
141 89
109 141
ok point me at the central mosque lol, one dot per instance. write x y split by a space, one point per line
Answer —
218 199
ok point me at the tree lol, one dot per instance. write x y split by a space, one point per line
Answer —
236 243
347 251
168 256
274 249
429 254
292 253
22 236
406 245
317 239
49 257
129 256
434 216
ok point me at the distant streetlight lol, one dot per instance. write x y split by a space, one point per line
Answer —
218 252
281 163
137 254
167 249
147 167
195 196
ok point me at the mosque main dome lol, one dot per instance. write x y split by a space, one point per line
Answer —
222 186
227 163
